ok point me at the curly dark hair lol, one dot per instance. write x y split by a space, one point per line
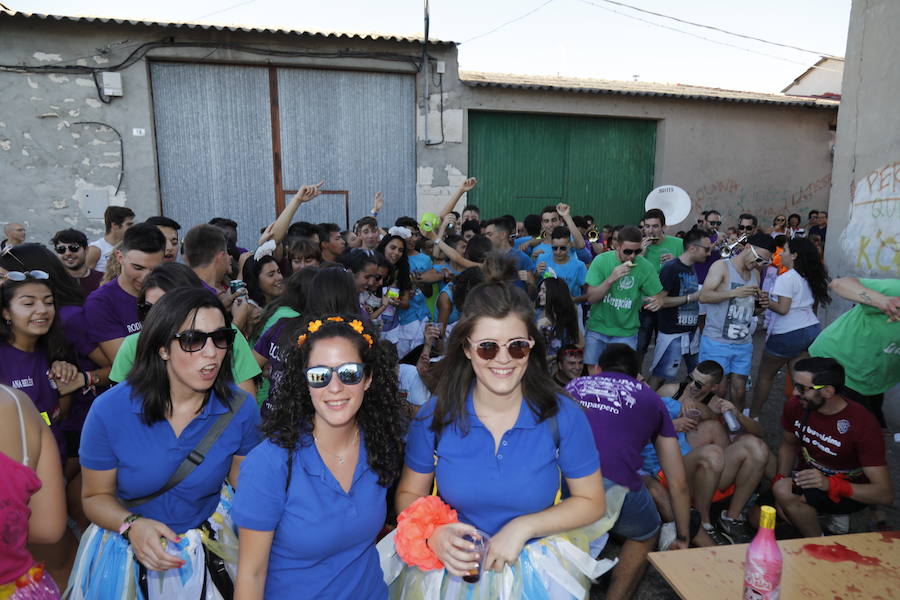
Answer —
454 373
381 417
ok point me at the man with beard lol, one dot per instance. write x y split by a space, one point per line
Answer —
832 457
71 247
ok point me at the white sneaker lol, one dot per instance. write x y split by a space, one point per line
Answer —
667 535
836 524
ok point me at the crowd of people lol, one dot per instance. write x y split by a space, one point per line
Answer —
487 397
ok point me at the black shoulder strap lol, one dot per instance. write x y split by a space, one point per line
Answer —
193 459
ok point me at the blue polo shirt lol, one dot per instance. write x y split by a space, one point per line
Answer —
489 488
324 543
146 456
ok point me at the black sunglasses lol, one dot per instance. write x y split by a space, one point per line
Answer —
715 223
348 374
143 308
697 384
629 252
61 249
22 276
745 227
560 248
517 349
193 340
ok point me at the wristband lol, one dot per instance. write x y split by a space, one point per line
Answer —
839 487
778 477
126 525
415 525
373 212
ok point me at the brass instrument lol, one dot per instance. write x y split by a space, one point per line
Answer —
726 250
593 235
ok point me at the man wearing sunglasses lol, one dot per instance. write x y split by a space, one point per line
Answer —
747 225
563 264
733 298
619 283
709 224
71 248
832 456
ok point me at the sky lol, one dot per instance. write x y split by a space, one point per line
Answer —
574 38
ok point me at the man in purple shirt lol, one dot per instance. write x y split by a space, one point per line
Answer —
111 310
206 253
625 415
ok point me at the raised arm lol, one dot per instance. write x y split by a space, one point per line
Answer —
467 186
303 195
565 212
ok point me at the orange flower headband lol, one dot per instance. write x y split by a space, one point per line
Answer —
356 325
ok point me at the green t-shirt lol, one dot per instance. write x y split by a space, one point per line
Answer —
865 343
282 312
668 245
243 365
617 314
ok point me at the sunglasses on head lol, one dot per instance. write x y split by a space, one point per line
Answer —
629 251
517 349
573 353
348 374
193 340
61 249
801 389
22 276
745 227
757 258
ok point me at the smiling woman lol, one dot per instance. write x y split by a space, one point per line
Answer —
179 400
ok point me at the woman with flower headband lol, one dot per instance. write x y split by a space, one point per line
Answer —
497 439
312 497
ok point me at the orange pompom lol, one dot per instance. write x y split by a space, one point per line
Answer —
415 525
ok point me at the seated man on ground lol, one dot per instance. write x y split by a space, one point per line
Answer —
832 457
717 466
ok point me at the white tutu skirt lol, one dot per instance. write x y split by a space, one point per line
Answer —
557 567
105 567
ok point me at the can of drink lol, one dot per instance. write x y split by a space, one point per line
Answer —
731 421
235 285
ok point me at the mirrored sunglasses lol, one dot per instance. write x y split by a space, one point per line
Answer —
23 275
348 374
193 340
517 349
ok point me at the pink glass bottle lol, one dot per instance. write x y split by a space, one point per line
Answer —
762 570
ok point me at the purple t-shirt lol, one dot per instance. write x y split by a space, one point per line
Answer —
111 313
76 332
702 268
268 345
91 282
27 371
624 415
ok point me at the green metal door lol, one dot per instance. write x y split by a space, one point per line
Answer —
523 162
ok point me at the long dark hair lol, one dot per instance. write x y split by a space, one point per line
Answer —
250 274
149 377
381 416
296 291
809 264
53 344
465 281
30 257
454 374
400 271
560 309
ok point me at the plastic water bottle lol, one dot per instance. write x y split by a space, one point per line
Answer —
762 570
731 421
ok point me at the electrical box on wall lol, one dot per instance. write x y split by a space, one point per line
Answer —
94 203
112 83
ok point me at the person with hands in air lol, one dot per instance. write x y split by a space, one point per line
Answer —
619 282
495 439
551 218
148 501
467 186
831 460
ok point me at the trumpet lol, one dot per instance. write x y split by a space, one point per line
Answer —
593 235
726 249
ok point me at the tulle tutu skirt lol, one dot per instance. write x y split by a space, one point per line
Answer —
36 584
557 567
105 567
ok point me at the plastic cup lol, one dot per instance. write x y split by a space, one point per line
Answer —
693 413
482 543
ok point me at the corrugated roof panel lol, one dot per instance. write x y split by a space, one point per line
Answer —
634 88
233 28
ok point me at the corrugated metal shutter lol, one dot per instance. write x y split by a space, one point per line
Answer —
214 145
355 130
600 166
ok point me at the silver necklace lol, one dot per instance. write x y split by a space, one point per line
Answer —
340 457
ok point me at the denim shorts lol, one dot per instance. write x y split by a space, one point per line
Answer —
595 343
791 343
733 358
638 520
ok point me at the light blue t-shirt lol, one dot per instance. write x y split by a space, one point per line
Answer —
487 488
651 460
418 304
146 456
324 542
572 272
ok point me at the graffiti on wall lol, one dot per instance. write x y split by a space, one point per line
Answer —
730 198
871 240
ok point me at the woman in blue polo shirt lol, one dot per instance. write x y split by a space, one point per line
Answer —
501 433
137 434
313 494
